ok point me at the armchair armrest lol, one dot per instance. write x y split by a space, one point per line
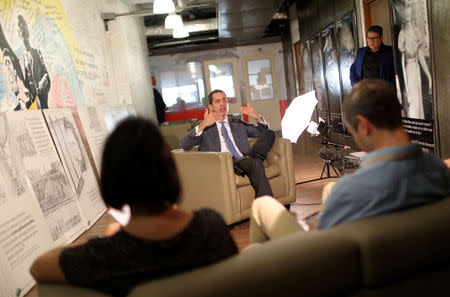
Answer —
281 154
208 180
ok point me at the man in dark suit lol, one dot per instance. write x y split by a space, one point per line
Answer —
217 133
160 106
375 60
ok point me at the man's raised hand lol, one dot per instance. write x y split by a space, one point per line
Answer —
249 110
209 118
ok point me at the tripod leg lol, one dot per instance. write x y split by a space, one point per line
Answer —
334 168
323 169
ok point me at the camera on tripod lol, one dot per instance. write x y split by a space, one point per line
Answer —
330 154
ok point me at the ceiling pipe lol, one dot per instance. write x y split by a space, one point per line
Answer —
191 26
108 16
177 42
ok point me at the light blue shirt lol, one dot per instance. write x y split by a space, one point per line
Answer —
383 186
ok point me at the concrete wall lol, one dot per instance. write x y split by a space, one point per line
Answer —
129 58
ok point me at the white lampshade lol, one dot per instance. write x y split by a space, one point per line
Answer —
163 6
180 32
173 21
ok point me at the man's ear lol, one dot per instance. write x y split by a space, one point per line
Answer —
364 124
211 109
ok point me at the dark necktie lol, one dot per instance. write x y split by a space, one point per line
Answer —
228 141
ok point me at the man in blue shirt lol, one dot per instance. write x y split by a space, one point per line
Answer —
395 174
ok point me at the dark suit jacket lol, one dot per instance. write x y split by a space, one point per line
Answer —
209 140
160 106
386 65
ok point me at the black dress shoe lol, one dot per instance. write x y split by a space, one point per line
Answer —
245 164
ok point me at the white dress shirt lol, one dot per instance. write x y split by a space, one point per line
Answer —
223 145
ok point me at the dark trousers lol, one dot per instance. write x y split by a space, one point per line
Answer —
258 152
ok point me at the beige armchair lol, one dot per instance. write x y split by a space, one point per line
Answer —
174 131
208 180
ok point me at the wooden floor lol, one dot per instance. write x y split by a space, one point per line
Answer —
307 166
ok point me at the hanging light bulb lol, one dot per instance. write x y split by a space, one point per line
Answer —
163 6
180 32
173 21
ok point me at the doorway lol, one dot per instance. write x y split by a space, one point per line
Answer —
376 12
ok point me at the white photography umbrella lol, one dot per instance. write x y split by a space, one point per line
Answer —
298 115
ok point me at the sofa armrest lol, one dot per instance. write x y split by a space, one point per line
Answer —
209 177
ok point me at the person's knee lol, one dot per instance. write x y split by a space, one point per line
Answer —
326 191
262 202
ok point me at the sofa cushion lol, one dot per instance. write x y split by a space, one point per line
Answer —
401 245
302 264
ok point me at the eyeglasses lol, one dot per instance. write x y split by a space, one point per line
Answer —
373 38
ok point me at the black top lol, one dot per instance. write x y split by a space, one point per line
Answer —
160 106
371 65
118 263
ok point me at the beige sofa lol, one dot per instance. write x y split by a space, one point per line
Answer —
402 254
208 180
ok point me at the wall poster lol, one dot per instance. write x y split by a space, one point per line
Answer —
318 77
307 66
332 78
413 67
347 51
49 61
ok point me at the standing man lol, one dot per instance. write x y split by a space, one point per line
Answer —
160 106
375 60
217 133
36 75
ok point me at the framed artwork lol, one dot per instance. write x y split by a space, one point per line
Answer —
307 66
333 86
412 57
346 51
318 77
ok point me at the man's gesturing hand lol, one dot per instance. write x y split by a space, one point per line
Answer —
209 118
249 110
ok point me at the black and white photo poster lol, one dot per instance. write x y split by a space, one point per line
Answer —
347 51
307 66
318 78
332 78
412 55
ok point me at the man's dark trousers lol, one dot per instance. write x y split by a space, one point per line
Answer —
258 152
